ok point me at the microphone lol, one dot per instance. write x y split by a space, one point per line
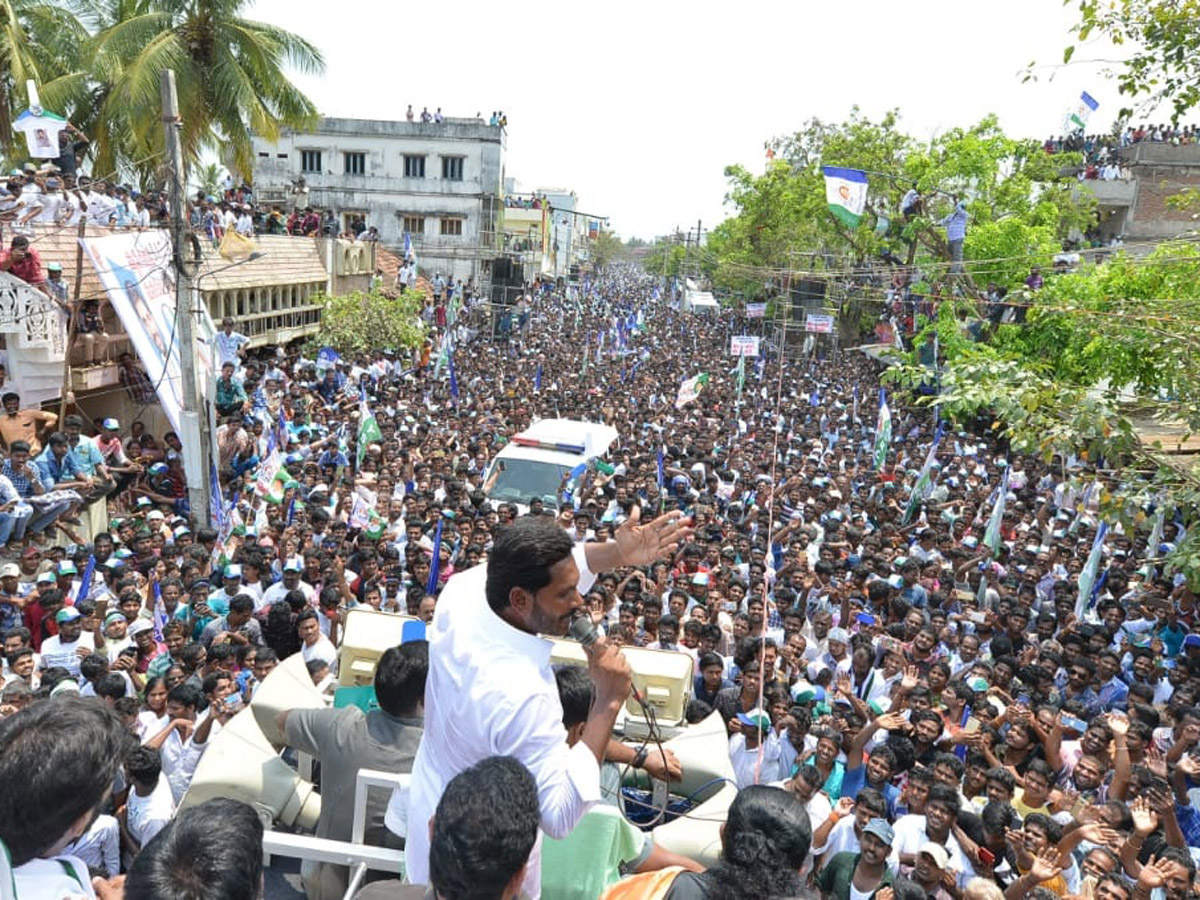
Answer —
582 630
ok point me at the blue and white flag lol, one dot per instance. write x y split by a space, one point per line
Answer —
991 537
453 380
435 563
537 379
1087 578
924 484
1077 119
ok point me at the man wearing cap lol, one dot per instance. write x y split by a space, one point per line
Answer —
744 748
70 645
56 287
291 581
23 261
859 875
929 871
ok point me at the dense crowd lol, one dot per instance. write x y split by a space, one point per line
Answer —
956 722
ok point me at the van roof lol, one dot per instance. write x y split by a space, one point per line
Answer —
593 437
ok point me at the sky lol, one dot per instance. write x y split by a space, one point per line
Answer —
639 107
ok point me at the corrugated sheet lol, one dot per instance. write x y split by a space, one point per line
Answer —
284 260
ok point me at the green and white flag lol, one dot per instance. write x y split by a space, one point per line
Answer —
925 479
368 429
991 537
690 390
846 194
741 377
883 431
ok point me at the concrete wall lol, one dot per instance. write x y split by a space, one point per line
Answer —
386 195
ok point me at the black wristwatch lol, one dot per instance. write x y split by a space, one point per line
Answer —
639 758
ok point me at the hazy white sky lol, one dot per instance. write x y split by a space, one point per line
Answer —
638 107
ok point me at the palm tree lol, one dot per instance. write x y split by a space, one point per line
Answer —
229 73
41 42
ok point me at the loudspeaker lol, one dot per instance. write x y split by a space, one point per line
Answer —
708 776
808 295
242 765
501 270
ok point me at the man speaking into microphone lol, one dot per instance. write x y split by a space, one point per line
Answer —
491 690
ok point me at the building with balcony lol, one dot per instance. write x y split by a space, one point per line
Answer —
273 298
439 183
1134 207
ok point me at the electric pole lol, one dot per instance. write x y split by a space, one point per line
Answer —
195 417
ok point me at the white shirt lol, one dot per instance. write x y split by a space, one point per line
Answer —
56 653
48 878
745 759
277 592
910 836
179 761
491 691
322 649
147 816
227 346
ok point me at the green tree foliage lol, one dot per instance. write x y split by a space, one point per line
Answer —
1159 42
359 322
664 257
1021 202
605 247
99 61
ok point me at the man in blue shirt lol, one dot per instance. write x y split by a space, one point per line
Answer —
61 472
31 486
956 233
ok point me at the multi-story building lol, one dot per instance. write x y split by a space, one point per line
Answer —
441 184
1134 207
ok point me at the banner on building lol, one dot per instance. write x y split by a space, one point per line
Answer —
756 310
818 324
136 271
743 345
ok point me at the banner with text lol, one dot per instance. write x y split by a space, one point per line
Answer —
743 345
819 324
756 310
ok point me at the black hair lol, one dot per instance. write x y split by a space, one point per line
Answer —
93 666
242 603
1041 820
143 765
907 889
1003 776
522 556
111 685
185 695
949 759
400 678
575 693
208 852
484 829
944 794
869 799
766 840
57 763
998 817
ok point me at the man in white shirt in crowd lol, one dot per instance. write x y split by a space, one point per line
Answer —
229 344
149 806
70 645
184 740
491 689
313 644
58 761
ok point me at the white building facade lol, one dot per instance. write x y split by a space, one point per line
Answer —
441 183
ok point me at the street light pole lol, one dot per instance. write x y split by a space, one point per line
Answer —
195 417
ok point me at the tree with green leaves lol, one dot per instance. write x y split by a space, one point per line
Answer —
230 71
1159 43
1021 206
362 322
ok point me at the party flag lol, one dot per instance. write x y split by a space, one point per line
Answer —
846 194
1087 578
883 430
368 428
925 479
435 563
991 537
690 390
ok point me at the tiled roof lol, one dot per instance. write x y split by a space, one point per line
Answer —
283 260
61 245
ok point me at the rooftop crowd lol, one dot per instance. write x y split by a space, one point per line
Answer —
949 723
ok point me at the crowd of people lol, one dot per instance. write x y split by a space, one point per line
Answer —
1102 152
955 721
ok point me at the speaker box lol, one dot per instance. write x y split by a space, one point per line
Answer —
808 295
501 270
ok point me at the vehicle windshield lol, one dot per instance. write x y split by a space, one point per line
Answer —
520 480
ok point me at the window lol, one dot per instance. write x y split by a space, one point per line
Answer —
414 166
281 156
310 161
414 224
452 227
262 155
355 163
452 168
